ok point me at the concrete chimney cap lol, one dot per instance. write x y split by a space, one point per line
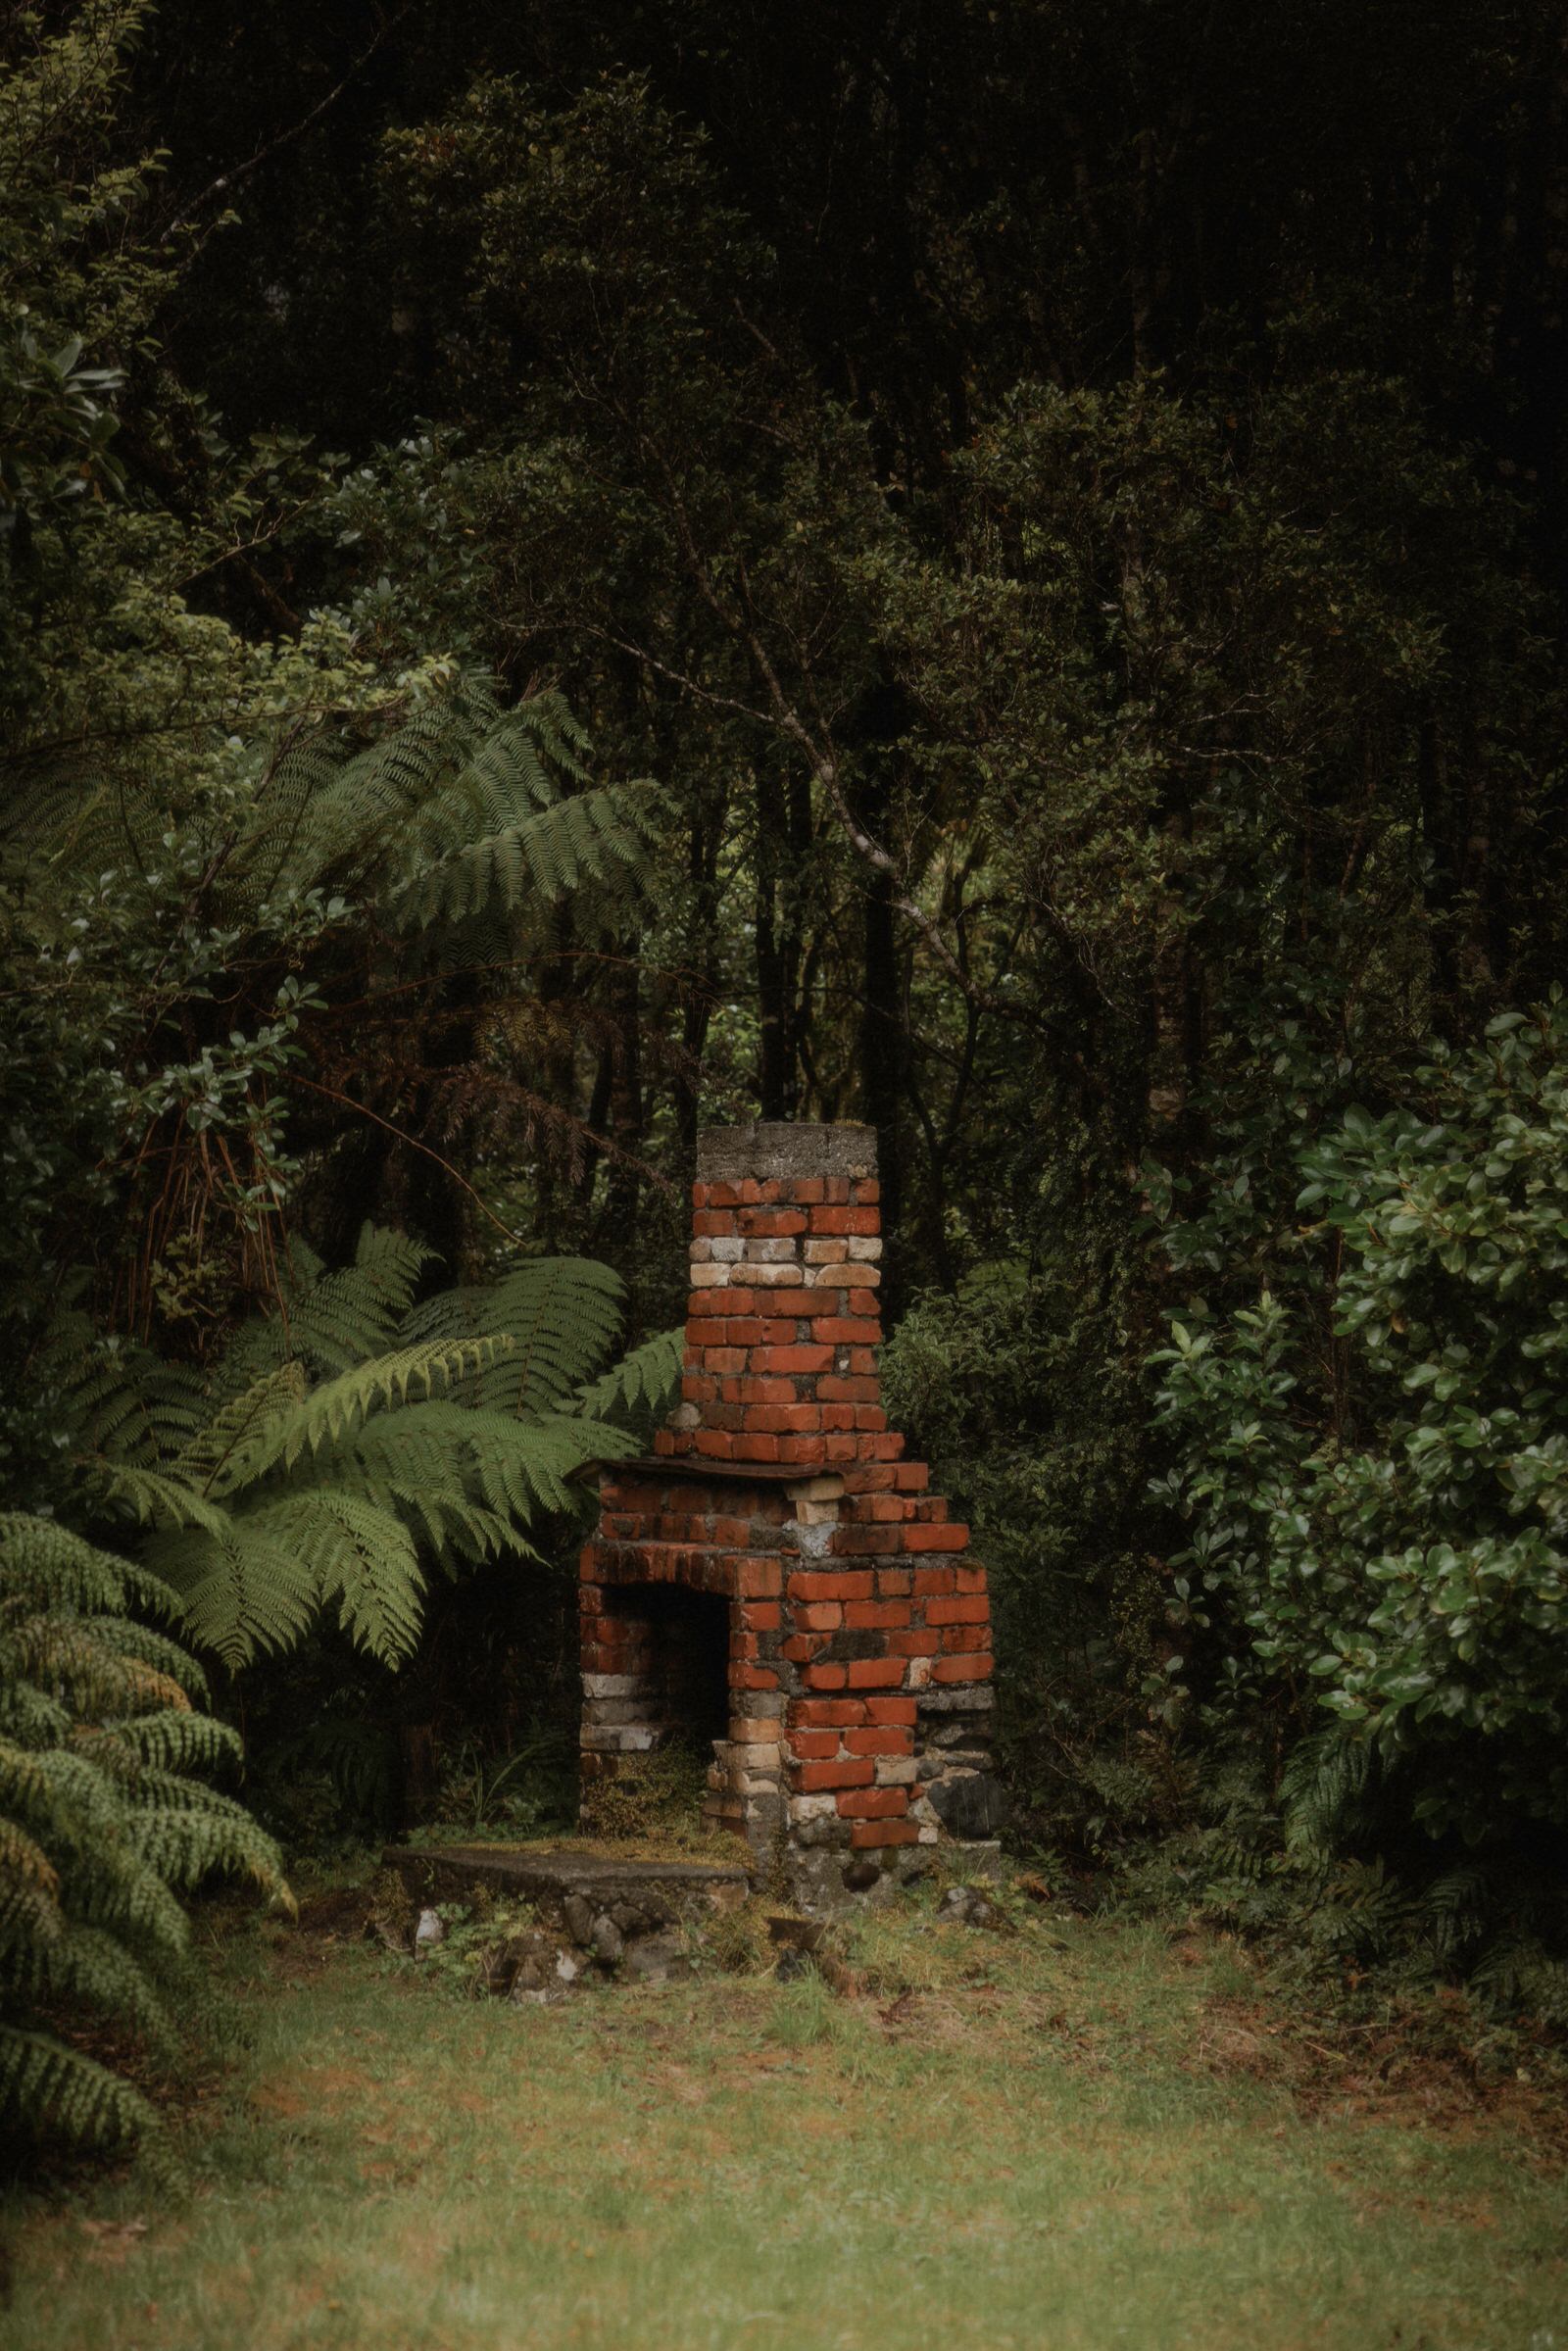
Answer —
784 1149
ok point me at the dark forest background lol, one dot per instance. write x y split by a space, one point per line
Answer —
1052 522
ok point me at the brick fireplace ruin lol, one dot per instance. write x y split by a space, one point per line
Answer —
776 1579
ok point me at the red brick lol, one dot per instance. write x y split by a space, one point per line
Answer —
826 1616
934 1579
832 1389
890 1710
873 1542
832 1220
799 1648
870 1416
971 1579
879 1740
708 1221
753 1677
806 1453
759 1579
825 1677
936 1539
830 1584
755 1446
806 1191
717 1443
868 1191
915 1644
873 1803
794 1359
961 1669
893 1583
971 1609
883 1615
835 1330
873 1672
793 1420
830 1713
761 1616
773 1224
864 1302
845 1770
884 1832
702 1305
813 1746
912 1477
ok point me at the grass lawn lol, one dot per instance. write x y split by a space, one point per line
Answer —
1076 2134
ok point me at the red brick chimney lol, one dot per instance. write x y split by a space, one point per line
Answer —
776 1578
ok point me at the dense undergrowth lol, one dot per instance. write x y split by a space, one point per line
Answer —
1086 589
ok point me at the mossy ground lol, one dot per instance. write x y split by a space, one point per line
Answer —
1080 2134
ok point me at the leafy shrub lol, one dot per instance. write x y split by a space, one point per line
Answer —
105 1819
1378 1535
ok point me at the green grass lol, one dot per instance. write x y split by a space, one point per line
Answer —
1075 2135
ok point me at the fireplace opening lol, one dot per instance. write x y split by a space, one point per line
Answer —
689 1664
661 1723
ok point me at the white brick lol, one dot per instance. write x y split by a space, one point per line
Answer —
710 1277
895 1771
813 1808
774 1277
826 1253
770 1252
725 1247
864 1247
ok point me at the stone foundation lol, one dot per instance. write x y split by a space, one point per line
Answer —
778 1539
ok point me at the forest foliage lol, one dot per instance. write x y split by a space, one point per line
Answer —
1068 506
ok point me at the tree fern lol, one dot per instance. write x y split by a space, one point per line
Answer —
102 1824
298 1486
643 1384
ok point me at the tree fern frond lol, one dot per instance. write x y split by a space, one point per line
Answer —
73 1658
329 1412
216 1455
153 1496
538 862
23 1862
560 1315
152 1650
359 1558
646 1381
240 1592
339 1319
180 1742
52 2091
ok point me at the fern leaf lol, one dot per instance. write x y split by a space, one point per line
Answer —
648 1379
51 2090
